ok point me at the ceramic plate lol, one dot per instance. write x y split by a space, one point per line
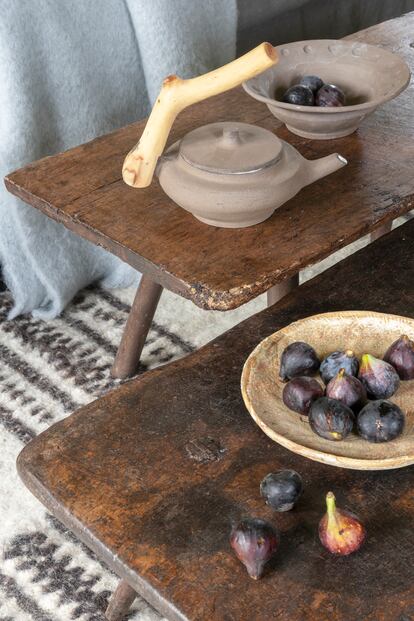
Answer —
363 332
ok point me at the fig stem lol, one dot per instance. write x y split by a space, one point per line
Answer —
341 373
330 505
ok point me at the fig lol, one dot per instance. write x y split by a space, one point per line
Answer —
340 532
337 360
281 490
380 421
298 359
331 419
299 393
312 81
255 542
401 355
299 96
379 378
348 390
329 96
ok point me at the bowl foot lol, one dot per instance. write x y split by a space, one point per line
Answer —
321 135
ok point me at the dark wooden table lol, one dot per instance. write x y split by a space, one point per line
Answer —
223 268
152 476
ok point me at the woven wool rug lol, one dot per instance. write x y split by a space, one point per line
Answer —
47 371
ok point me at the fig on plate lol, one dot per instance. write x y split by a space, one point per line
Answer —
348 390
281 490
379 378
299 95
401 355
380 421
337 360
298 359
299 393
313 82
331 419
255 542
329 96
341 532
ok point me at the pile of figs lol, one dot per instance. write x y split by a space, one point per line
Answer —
312 91
356 393
256 541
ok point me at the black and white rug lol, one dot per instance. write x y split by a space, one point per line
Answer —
47 371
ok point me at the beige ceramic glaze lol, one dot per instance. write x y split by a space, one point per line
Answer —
235 175
357 330
367 74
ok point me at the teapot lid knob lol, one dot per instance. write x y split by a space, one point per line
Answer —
231 148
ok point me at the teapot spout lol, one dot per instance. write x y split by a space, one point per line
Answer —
324 166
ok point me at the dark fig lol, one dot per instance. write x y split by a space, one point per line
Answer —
329 96
379 378
312 81
298 359
299 393
282 489
380 421
337 360
401 355
255 542
340 531
330 419
348 390
299 96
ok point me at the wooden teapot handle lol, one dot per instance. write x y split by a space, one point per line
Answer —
175 95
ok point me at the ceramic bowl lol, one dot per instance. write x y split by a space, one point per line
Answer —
367 74
360 331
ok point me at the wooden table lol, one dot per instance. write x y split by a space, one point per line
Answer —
152 476
223 268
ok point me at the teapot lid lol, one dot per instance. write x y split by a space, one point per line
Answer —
231 148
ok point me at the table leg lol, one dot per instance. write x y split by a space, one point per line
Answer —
136 329
382 230
121 601
279 291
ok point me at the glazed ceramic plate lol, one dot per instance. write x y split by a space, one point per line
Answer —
363 332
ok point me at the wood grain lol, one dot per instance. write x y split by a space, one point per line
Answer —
153 475
362 332
219 268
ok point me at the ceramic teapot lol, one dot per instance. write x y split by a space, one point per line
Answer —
227 174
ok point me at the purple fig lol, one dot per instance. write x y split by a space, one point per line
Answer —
379 378
299 95
348 390
337 360
282 489
330 419
401 355
312 81
380 421
255 542
329 96
298 359
340 532
299 393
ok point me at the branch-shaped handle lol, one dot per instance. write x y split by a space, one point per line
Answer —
175 95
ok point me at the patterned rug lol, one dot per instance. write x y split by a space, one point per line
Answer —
48 370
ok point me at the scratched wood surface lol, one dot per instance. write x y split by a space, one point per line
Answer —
153 475
223 268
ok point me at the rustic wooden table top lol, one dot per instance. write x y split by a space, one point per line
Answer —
153 475
222 268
